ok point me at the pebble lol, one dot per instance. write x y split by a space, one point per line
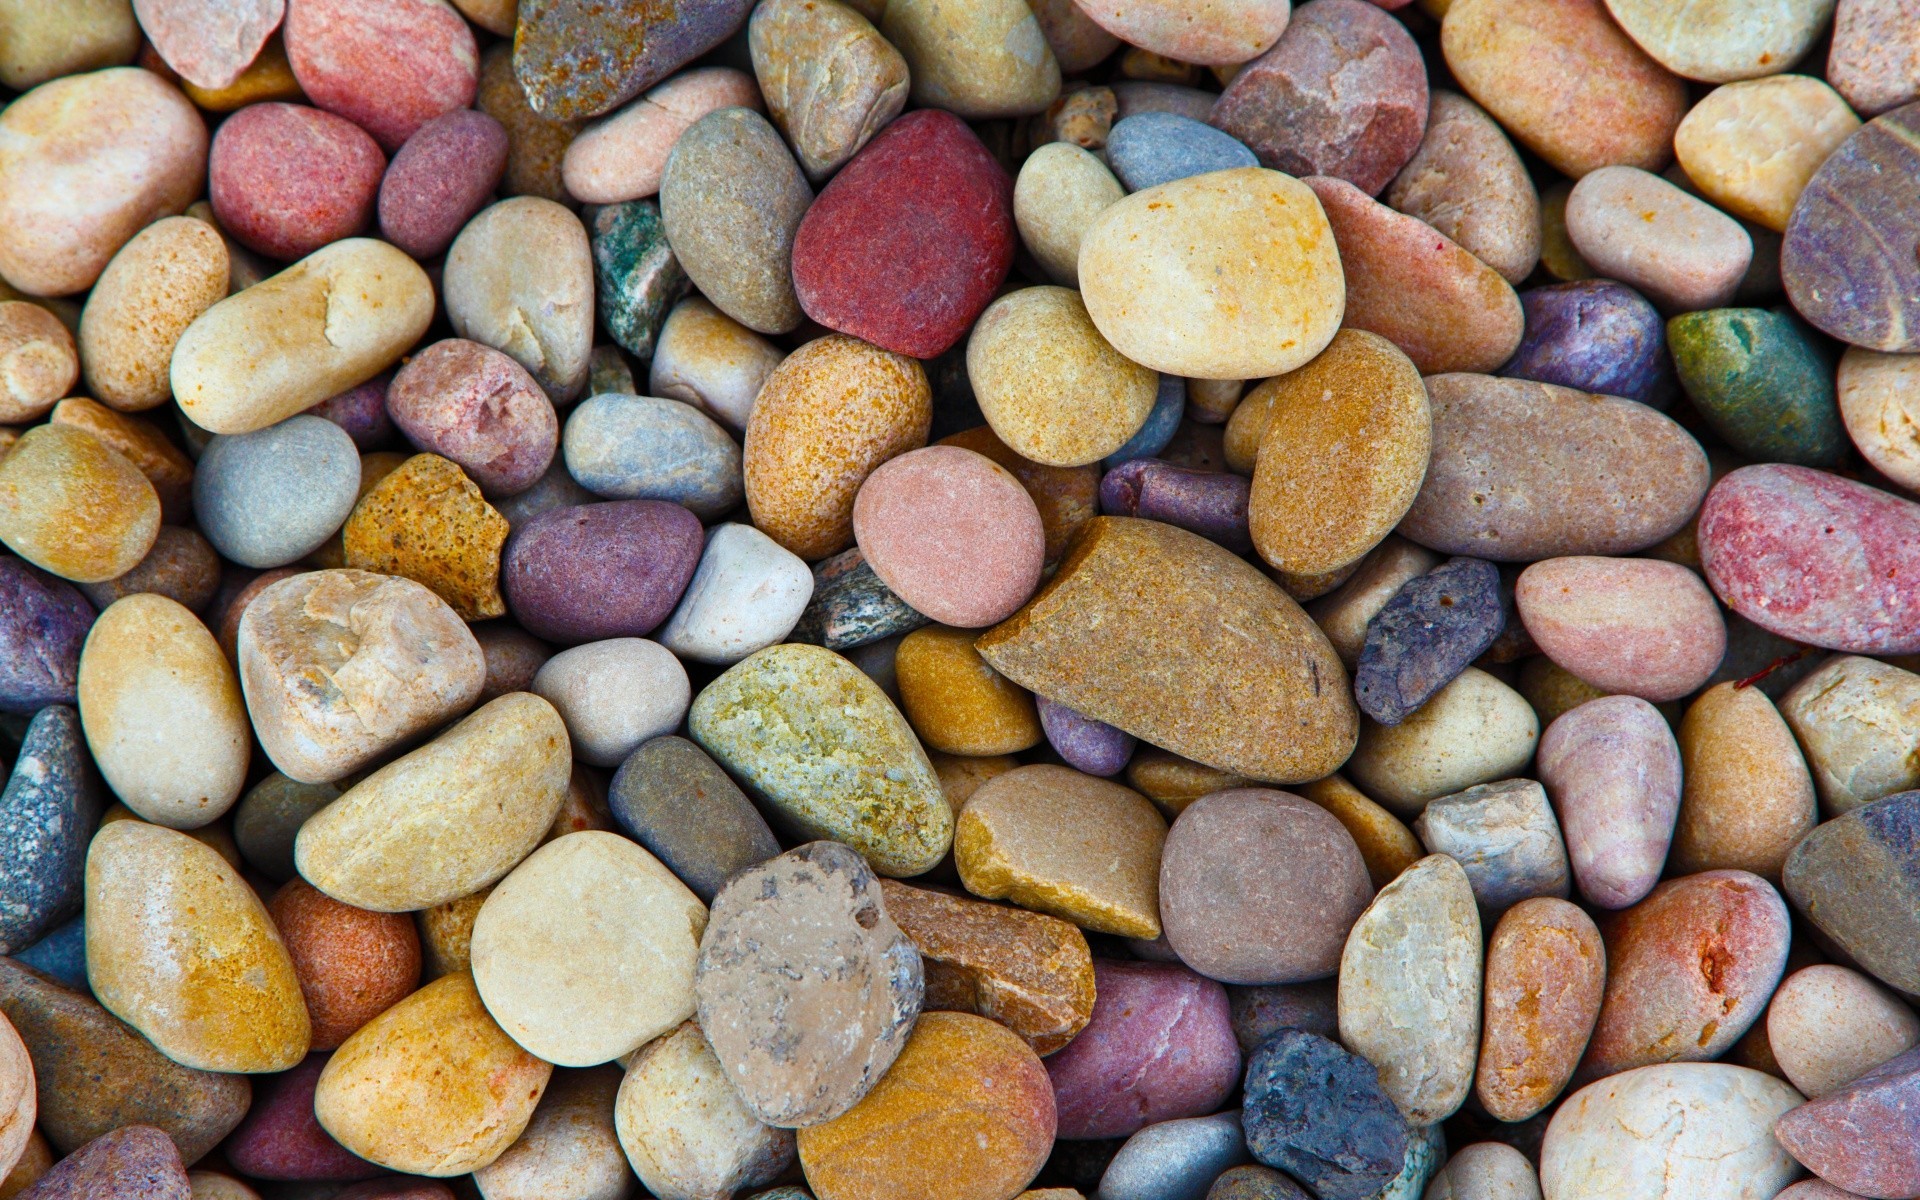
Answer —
389 66
1699 1130
287 179
1751 147
162 712
804 463
1058 193
536 143
851 607
329 322
443 174
711 361
1719 45
1086 745
1474 730
1613 769
821 743
138 441
425 521
1546 974
1590 97
1636 227
43 625
1342 94
47 814
1874 393
44 43
446 934
447 819
1432 629
519 278
88 161
1759 382
1577 490
1318 1112
747 593
1212 504
1689 968
1215 33
598 571
1175 1160
353 965
586 951
75 507
432 1086
1870 61
1826 1134
831 81
1846 876
361 634
1486 1171
679 804
257 509
1260 887
1594 335
579 61
1625 625
269 816
135 1162
955 702
624 156
1159 1047
685 1131
1162 423
984 60
1506 838
1747 798
1762 555
1854 718
639 277
1828 1025
646 448
282 1140
569 1149
1386 844
1066 497
512 656
1467 181
477 407
613 696
908 244
203 972
38 361
1230 275
1155 148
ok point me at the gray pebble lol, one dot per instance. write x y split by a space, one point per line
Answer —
676 801
1432 629
1159 147
1175 1160
271 497
1504 836
646 448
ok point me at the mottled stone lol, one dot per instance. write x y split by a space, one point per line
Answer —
1474 730
74 507
536 144
1852 876
1213 504
623 157
1505 836
1861 1137
1613 769
352 964
182 566
1760 384
1874 61
1625 625
956 703
478 408
851 607
135 1162
1876 394
1546 974
151 290
441 176
43 624
286 179
1066 496
831 81
519 278
38 360
570 1149
1855 720
1467 181
1432 629
47 813
389 66
577 58
282 1140
638 277
1594 335
597 571
1828 1026
1318 1113
1747 798
685 1130
647 448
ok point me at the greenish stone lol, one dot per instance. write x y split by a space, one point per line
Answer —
851 607
1426 1150
1757 380
636 274
822 745
608 372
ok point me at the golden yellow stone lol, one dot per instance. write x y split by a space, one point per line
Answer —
427 522
956 702
1386 844
1173 782
140 443
446 934
74 506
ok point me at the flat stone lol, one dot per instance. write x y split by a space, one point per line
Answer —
1546 974
1717 45
1474 730
1160 1047
806 987
1613 769
519 278
570 1147
1595 335
1318 1113
478 408
1747 798
135 1162
623 157
1432 629
711 361
685 1130
1850 877
74 507
1504 835
1625 625
1006 846
595 571
1467 181
445 172
282 1140
582 59
1213 504
431 1086
639 278
1829 1025
48 812
1175 1160
1699 1130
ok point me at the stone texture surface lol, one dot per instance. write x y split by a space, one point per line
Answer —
1860 1137
1432 629
1681 251
1717 44
282 1140
1747 797
1873 63
1614 772
623 157
678 803
1546 974
1318 1113
594 571
1595 335
1175 1158
831 81
956 703
1852 717
684 1129
286 179
1829 1025
1474 730
39 357
580 59
519 278
570 1147
1467 181
389 66
352 964
1505 837
155 285
443 174
1626 625
48 812
1852 878
479 408
135 1162
426 521
74 507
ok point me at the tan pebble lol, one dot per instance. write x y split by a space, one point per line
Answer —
831 80
1552 689
494 16
1880 404
171 272
426 521
140 443
1722 42
1751 147
45 41
1060 190
73 506
519 278
1213 401
1344 613
1387 846
211 1185
18 1105
431 1086
711 361
38 362
1173 782
446 934
1546 973
1638 228
684 1128
569 1150
536 145
1746 797
1858 720
986 58
1467 181
1474 730
1829 1025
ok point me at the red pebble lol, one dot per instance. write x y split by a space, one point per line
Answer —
282 1139
442 176
1815 558
287 179
390 66
910 241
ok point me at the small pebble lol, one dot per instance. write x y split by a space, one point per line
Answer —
255 508
1760 383
1431 630
569 1148
1829 1025
747 593
597 571
645 448
685 1131
1625 625
478 408
1060 190
614 695
440 176
624 156
638 275
711 361
1467 181
1720 46
425 521
1853 718
1474 730
75 507
1636 227
1093 747
287 179
678 803
1844 877
38 361
1826 1132
1613 769
1505 837
1751 147
1175 1160
1747 798
1485 1171
1546 975
1594 335
135 1162
282 1140
955 702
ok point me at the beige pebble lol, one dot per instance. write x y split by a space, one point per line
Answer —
1060 190
171 272
38 361
329 322
1723 40
1638 228
569 1150
180 948
623 156
1880 404
494 16
1829 1025
1213 401
831 80
1467 181
1858 720
586 951
41 41
614 695
162 712
1485 1171
1344 613
447 819
1746 798
519 278
684 1128
1474 730
707 359
1751 147
978 59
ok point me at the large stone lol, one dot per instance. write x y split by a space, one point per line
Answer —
1613 769
1856 878
1718 43
519 278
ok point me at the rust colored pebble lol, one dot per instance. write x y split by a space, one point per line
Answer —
442 175
1546 971
478 407
353 964
1067 497
1343 93
965 1113
1688 970
952 533
287 179
389 66
912 238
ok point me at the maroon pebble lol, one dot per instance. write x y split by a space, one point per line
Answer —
952 533
287 179
1864 1136
1342 93
1815 558
480 408
362 412
134 1162
443 175
598 571
282 1139
389 66
1160 1045
911 240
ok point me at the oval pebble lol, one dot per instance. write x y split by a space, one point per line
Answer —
389 66
439 177
38 361
271 497
1155 148
600 570
287 179
1748 797
1635 626
478 408
1751 147
1467 181
624 156
47 814
353 964
685 1131
747 593
1829 1025
1717 44
711 361
1061 188
1613 769
75 507
1594 335
1546 974
1636 227
647 448
519 278
1473 730
569 1148
614 695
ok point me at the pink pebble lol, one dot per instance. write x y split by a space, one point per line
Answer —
624 156
1612 769
953 533
1635 625
474 405
443 175
390 66
287 179
282 1139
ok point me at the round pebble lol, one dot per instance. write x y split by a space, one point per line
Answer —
684 1130
614 695
38 361
479 408
1718 45
353 964
600 570
1875 391
1474 730
269 498
647 448
1594 335
1155 148
74 507
1751 147
1829 1025
440 176
985 60
1747 798
43 625
1625 625
1868 63
287 179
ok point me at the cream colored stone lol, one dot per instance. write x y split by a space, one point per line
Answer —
18 1104
447 819
1880 404
569 1150
38 361
1060 190
1829 1025
519 278
684 1128
1474 730
623 156
329 322
153 289
1723 40
614 695
1751 147
162 712
711 361
45 39
976 58
1858 720
1212 33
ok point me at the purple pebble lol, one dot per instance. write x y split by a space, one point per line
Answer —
362 412
43 624
1094 747
599 571
281 1138
1595 335
442 175
1212 504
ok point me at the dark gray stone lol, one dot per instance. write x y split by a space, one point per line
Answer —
61 954
1857 879
1317 1112
1432 629
1159 147
851 607
47 814
676 801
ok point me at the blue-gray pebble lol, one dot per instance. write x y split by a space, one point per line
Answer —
1430 631
1169 406
47 814
271 497
1317 1112
1153 148
648 448
672 798
1595 335
1175 1160
61 954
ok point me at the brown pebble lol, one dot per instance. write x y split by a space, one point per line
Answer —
353 964
1546 970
